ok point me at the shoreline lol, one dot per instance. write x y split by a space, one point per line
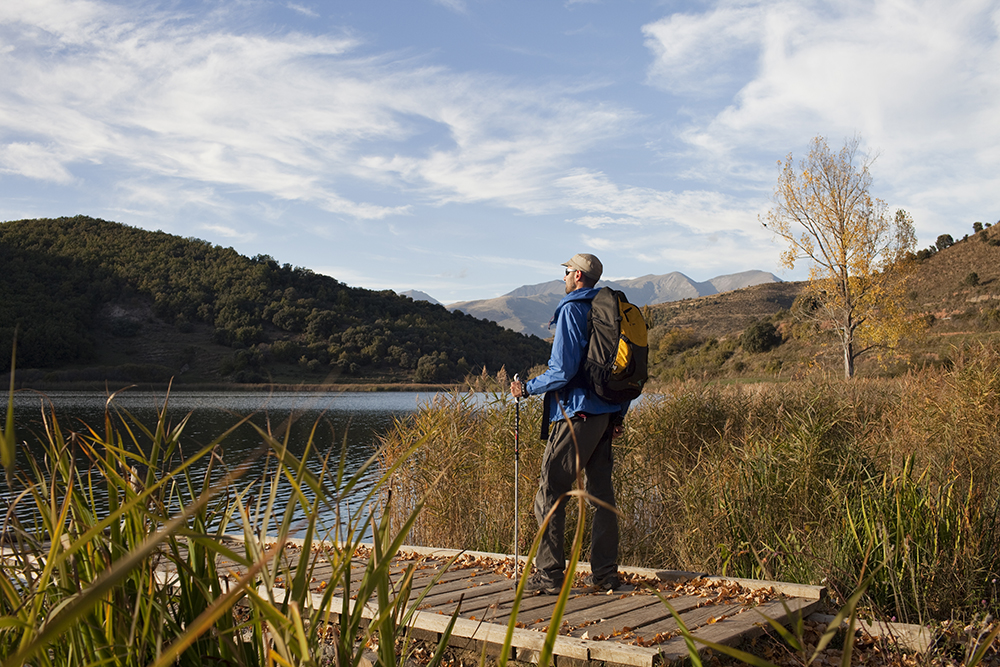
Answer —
108 387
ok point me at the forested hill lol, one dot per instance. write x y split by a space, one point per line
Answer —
102 298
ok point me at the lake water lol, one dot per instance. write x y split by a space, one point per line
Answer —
358 418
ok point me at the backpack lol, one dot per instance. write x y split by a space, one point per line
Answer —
615 366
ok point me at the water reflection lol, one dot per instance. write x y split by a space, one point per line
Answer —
329 419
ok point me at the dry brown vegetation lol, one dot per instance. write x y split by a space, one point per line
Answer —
955 293
810 481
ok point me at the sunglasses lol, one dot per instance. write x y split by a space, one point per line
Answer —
569 271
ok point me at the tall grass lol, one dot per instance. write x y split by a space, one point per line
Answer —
117 561
800 481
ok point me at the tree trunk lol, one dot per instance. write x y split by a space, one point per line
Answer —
848 360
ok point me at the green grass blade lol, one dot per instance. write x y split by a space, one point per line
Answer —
847 611
8 443
219 606
689 639
785 633
77 606
984 646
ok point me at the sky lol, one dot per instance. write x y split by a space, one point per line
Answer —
467 147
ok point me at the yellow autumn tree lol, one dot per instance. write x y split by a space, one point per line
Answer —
858 254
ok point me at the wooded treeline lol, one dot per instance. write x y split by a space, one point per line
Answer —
63 278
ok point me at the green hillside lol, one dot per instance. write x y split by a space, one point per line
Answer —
98 301
95 300
754 333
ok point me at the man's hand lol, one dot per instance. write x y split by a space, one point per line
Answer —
618 431
517 389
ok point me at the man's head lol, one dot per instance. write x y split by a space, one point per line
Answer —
582 270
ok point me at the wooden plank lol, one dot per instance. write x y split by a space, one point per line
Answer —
469 581
609 608
428 573
488 595
783 587
752 622
475 599
496 634
624 654
736 629
500 606
641 617
486 599
471 586
594 608
917 638
540 606
693 618
608 613
459 585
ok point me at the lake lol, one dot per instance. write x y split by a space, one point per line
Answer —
357 418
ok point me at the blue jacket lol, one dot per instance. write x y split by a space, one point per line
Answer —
568 349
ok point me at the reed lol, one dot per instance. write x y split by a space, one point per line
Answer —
797 481
83 586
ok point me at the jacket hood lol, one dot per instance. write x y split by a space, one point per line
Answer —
583 294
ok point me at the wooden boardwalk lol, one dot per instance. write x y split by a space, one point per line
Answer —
630 627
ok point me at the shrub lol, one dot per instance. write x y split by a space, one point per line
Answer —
286 351
760 336
807 481
674 341
434 368
125 327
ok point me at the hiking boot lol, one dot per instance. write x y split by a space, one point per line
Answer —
539 585
608 583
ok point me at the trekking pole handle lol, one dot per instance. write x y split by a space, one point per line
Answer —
517 417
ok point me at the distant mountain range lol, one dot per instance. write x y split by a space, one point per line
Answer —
528 309
417 295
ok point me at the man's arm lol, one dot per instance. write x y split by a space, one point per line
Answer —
567 349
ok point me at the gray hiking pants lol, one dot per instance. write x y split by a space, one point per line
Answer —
558 473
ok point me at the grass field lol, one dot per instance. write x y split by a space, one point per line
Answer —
811 481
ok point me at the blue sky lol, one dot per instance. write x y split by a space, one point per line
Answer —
467 147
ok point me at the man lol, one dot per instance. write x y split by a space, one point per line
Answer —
593 422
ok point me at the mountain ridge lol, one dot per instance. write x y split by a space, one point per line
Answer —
528 309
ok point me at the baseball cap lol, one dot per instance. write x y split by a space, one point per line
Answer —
589 264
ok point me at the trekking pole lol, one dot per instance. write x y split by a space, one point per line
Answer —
517 459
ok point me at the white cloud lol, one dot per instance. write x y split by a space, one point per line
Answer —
918 80
504 143
302 9
454 5
291 116
598 221
702 255
695 54
697 210
229 232
887 69
33 161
